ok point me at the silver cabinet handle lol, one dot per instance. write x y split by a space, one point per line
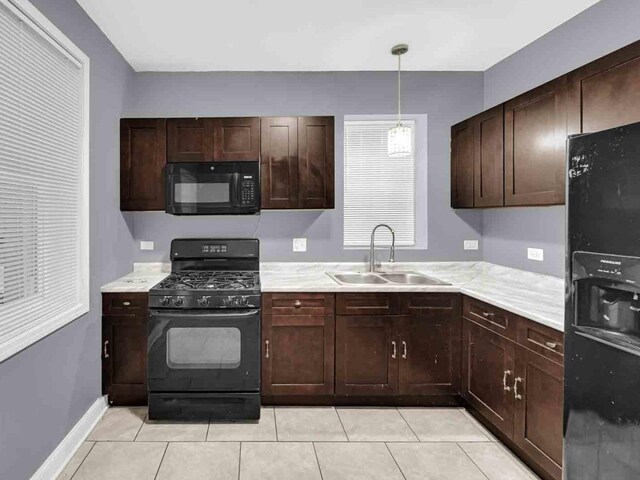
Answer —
297 304
504 380
104 349
515 388
551 344
266 354
126 304
394 350
404 349
487 314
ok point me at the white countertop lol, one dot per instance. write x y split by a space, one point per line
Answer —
537 297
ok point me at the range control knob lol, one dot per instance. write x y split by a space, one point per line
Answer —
242 301
179 302
165 301
203 302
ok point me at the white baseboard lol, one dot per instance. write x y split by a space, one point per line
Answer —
55 463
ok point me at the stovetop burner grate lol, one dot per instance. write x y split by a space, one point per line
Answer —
211 281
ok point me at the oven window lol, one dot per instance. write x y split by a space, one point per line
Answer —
201 192
208 347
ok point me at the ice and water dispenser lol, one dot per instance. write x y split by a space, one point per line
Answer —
606 291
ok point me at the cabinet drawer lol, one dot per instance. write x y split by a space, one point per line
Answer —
367 304
541 339
428 303
125 303
298 304
491 317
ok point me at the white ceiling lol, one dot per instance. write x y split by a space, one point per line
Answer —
327 35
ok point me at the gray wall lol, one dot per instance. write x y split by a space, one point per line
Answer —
46 388
601 29
446 98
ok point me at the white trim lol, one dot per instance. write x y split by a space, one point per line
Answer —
31 15
55 463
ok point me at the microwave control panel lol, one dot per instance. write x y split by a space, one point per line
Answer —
247 190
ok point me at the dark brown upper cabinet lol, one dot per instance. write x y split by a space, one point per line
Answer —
477 160
213 139
488 158
142 158
297 169
535 145
606 93
462 165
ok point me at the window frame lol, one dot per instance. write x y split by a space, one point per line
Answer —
31 16
420 161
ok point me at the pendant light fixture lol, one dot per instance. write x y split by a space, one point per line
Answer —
400 141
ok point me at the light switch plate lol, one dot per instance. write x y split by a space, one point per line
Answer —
299 244
536 254
471 244
146 245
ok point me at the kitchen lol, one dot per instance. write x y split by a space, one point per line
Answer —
341 353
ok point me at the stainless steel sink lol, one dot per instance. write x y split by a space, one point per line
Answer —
398 278
411 278
357 278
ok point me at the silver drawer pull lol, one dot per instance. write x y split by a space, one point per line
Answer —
551 344
504 380
126 304
515 389
404 349
297 304
394 350
266 355
104 349
487 314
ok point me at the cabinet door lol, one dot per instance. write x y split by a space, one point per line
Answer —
488 158
367 354
190 139
430 352
538 410
124 359
297 354
236 139
315 162
462 165
279 162
606 93
488 374
142 159
535 138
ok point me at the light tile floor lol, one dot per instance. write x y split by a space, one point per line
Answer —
292 443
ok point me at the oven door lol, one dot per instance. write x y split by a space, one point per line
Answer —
204 351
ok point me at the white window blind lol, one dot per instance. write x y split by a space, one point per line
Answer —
377 188
43 179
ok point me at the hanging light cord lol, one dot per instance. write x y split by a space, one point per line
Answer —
399 68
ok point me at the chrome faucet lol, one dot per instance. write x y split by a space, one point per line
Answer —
372 248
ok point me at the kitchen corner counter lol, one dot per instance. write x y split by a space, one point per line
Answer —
143 277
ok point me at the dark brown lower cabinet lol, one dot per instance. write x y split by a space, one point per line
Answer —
488 369
538 409
366 355
124 359
297 354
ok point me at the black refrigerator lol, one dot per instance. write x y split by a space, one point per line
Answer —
602 321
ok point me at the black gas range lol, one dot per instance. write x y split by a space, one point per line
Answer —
204 332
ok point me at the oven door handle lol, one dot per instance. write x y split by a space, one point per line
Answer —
199 313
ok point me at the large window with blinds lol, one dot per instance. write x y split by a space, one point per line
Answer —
377 188
44 148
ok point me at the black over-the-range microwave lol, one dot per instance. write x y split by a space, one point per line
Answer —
212 188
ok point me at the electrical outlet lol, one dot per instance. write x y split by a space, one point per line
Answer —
536 254
145 245
299 244
471 244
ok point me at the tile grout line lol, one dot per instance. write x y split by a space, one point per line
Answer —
239 460
166 447
275 423
472 461
140 428
206 437
85 457
342 424
405 421
394 460
313 444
